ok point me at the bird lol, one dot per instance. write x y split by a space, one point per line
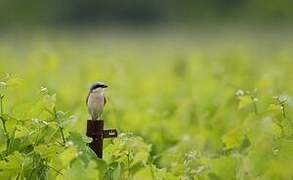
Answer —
96 100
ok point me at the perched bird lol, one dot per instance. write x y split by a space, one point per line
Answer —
96 100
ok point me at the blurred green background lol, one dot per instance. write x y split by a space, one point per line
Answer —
80 12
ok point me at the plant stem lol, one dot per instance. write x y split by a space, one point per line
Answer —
4 126
1 104
283 110
33 166
128 164
254 104
4 122
18 175
62 135
37 138
60 127
56 170
281 127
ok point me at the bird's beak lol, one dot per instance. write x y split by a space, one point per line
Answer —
105 86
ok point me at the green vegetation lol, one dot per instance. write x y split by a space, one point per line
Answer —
187 105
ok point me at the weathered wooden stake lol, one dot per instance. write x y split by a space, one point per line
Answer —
95 130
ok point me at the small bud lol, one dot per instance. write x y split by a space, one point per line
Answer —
186 137
3 84
239 92
283 98
275 151
34 120
44 90
69 143
275 97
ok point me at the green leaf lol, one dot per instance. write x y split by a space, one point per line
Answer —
2 140
223 167
244 101
137 150
117 173
12 82
9 169
78 171
48 102
275 107
68 155
48 151
141 156
10 122
85 153
143 174
21 131
233 139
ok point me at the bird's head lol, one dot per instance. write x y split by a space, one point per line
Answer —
98 86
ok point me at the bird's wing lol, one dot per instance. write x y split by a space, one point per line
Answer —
105 100
87 98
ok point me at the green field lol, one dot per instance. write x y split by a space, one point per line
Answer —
198 104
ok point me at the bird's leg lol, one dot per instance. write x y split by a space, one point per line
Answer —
94 118
99 116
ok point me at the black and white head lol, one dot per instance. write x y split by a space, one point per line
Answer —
98 86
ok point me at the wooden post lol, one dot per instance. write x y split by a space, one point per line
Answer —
95 130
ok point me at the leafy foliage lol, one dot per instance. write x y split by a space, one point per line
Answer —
186 117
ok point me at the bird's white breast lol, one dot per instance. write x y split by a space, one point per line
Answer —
96 104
